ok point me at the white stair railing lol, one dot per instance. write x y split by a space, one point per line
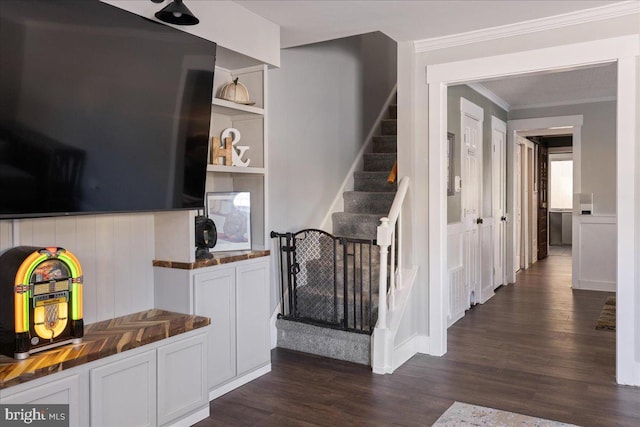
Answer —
388 230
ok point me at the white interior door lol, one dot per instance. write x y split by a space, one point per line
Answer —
472 118
498 199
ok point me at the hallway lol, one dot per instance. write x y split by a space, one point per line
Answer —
531 349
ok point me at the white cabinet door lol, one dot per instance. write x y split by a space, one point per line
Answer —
252 294
61 391
215 298
182 378
123 393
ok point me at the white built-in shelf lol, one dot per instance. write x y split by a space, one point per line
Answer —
222 106
234 169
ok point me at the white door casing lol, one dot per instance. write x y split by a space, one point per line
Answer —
532 205
517 211
525 198
472 118
499 199
625 50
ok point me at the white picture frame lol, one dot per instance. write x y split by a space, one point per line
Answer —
231 213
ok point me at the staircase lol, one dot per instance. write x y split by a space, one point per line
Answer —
370 200
372 195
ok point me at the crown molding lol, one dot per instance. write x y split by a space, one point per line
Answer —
561 103
526 27
482 90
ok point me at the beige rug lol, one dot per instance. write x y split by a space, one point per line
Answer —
607 319
463 415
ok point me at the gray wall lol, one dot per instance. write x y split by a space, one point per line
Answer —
454 93
598 148
322 103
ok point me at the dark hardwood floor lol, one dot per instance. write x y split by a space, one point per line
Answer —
531 349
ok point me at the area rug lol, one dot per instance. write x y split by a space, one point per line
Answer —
607 319
463 415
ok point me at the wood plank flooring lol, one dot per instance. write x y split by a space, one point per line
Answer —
531 349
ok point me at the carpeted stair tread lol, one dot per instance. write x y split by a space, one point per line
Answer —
373 202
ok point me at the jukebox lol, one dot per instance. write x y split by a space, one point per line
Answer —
40 300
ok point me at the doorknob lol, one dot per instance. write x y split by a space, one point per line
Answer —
504 218
479 221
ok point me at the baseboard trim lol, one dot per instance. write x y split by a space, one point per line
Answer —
596 285
452 320
232 385
405 351
192 419
272 327
488 291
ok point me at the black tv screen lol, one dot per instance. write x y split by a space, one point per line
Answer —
101 110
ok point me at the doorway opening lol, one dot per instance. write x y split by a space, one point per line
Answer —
621 51
560 193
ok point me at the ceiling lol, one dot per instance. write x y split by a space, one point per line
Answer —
306 22
589 84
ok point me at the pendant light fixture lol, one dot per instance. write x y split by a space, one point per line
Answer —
176 13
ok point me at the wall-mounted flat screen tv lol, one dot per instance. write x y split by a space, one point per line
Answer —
101 110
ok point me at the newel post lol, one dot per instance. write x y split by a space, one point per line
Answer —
383 242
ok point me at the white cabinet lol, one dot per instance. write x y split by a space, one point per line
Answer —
123 393
252 317
52 391
250 122
182 378
215 297
159 384
236 298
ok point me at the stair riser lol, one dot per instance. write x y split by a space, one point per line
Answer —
362 183
393 111
361 202
385 144
389 127
363 228
340 345
379 162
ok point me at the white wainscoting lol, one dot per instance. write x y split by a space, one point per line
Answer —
115 252
458 296
6 235
458 293
486 260
594 252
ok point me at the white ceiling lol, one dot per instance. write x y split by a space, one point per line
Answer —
306 22
590 84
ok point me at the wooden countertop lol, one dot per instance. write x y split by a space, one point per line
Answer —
101 339
218 259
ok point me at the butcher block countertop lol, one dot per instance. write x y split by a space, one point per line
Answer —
218 259
101 339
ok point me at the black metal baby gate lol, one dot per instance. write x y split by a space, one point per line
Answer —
328 281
